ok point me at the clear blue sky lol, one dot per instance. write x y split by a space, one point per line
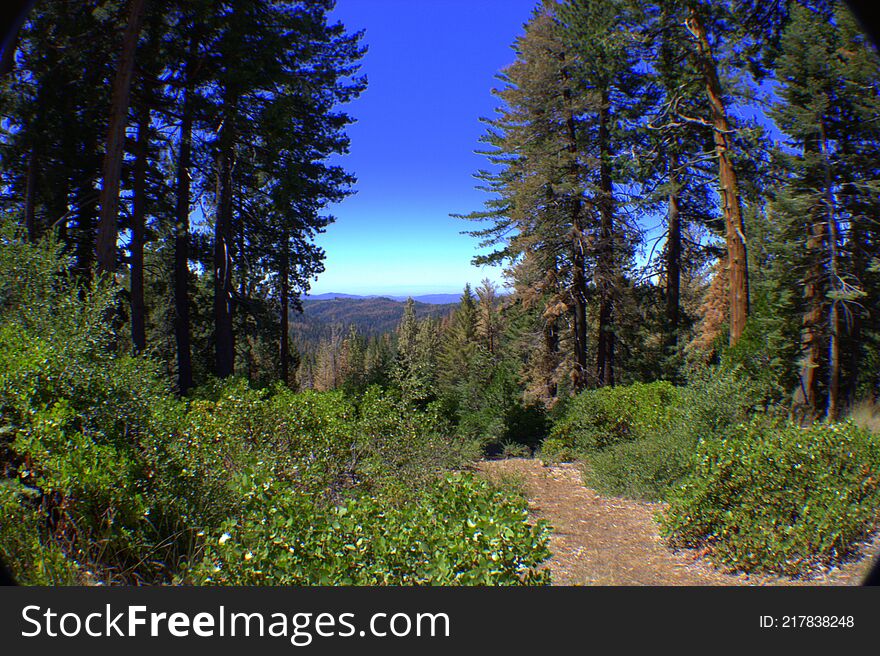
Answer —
431 67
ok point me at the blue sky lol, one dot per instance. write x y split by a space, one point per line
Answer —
431 67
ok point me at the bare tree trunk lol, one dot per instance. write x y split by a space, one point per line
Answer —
551 353
85 202
285 310
578 256
181 233
811 341
107 225
833 411
30 198
673 255
138 228
17 13
855 331
728 183
223 301
806 397
606 261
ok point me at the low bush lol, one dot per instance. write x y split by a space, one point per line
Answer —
554 450
643 469
596 419
638 440
460 532
773 497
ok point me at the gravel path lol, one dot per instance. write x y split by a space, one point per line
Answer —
612 541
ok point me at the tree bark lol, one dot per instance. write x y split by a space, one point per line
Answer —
17 11
728 182
285 310
606 261
806 397
814 298
673 255
181 233
85 202
223 303
551 353
138 229
578 255
107 225
833 410
30 197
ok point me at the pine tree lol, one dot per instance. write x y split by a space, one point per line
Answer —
822 195
459 346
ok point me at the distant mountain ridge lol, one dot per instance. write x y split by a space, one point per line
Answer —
430 299
371 315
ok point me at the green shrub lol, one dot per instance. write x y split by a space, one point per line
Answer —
638 440
771 496
77 423
515 450
554 450
711 404
642 469
461 532
22 526
596 419
401 446
716 399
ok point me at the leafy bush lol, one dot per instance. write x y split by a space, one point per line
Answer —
596 419
638 441
77 422
716 399
462 532
401 446
642 469
554 450
515 450
866 414
771 496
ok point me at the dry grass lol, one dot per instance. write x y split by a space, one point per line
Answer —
866 414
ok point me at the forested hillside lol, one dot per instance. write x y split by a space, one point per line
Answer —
371 316
683 197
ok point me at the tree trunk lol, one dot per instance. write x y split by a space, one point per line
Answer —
181 235
85 202
857 248
138 228
30 198
833 411
806 397
551 351
605 265
814 298
16 13
673 255
285 309
107 225
223 332
578 255
728 183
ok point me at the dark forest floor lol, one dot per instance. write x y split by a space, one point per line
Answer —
599 540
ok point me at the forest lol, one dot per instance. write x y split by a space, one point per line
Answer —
683 197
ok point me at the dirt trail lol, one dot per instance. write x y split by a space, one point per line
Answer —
610 541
